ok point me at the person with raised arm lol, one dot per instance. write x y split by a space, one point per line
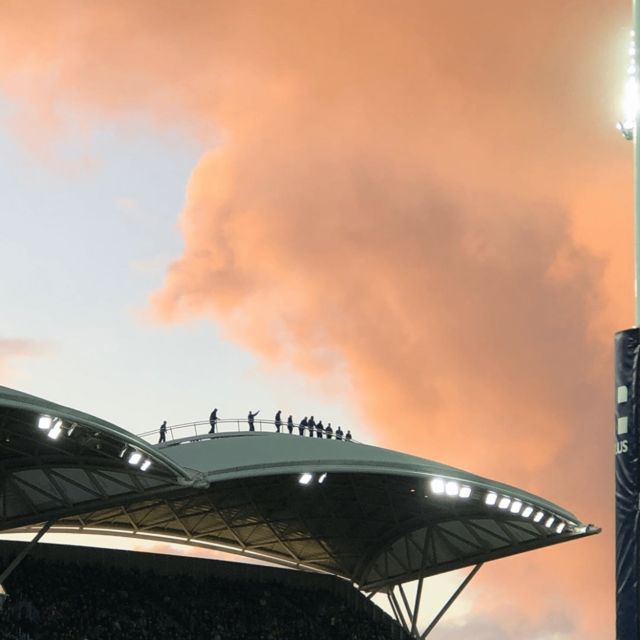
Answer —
250 418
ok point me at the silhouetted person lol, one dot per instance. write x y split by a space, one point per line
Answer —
311 425
329 431
163 432
250 418
319 429
290 424
348 436
303 425
213 420
278 421
339 433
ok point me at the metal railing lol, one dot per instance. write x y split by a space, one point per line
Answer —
202 428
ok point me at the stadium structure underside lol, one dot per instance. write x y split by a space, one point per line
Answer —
376 517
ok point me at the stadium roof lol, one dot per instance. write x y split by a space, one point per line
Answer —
374 516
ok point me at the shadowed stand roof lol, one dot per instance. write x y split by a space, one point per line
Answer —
374 516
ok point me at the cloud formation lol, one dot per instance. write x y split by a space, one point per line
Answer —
409 194
12 349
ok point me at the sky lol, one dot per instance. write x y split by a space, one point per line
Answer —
409 218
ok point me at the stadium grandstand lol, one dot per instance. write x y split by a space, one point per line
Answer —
366 518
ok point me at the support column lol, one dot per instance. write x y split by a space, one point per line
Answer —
21 556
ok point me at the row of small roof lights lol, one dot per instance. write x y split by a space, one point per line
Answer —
306 478
55 426
452 488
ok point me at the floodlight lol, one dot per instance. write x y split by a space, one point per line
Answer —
322 478
305 478
56 430
560 527
135 457
504 502
527 511
145 465
465 492
538 516
452 488
124 451
437 486
44 422
549 522
491 498
516 506
71 429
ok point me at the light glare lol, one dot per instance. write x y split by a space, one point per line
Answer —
465 492
452 488
437 486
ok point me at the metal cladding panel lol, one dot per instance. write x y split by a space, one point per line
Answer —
627 486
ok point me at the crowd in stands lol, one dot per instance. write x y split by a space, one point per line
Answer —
59 601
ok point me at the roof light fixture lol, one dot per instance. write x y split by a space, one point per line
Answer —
504 502
437 486
145 465
560 527
516 506
71 429
56 430
44 422
135 457
527 511
452 488
491 498
549 522
321 479
538 516
305 478
465 492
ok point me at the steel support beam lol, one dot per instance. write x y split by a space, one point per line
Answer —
21 556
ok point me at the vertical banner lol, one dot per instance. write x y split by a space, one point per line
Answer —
627 486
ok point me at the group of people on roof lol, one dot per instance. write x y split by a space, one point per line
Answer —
308 425
313 428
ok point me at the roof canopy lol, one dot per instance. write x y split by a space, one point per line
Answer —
374 516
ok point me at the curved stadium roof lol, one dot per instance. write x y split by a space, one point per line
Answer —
374 516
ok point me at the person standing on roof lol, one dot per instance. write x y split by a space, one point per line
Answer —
339 433
311 425
290 424
329 431
278 421
348 436
250 418
320 429
163 432
213 420
303 425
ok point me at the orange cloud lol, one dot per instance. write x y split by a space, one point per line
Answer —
414 194
16 348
